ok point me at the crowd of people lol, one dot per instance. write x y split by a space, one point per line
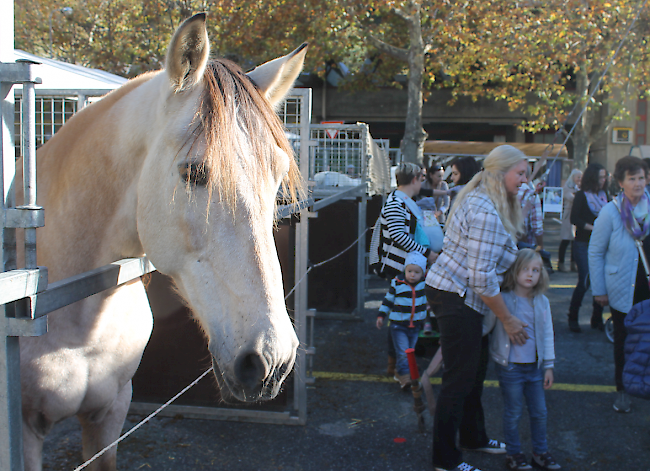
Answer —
484 281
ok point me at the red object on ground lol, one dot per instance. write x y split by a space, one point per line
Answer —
413 366
399 440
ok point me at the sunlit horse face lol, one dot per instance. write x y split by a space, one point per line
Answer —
213 175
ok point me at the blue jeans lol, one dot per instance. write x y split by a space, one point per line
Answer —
581 255
519 380
403 338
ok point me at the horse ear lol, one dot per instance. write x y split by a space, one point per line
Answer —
188 53
276 77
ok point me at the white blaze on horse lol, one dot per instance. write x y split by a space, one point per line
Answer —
183 165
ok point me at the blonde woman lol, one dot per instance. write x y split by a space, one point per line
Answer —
462 286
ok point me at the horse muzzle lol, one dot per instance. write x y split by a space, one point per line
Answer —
252 377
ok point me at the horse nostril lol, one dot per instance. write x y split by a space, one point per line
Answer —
250 370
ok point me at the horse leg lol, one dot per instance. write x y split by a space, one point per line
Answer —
34 432
100 430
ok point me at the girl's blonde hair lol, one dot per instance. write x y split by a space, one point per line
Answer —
524 257
495 166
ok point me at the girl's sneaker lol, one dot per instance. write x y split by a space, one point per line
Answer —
545 461
461 467
517 462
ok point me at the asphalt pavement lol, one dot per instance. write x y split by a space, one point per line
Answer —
358 419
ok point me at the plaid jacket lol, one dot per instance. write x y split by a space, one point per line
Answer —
476 252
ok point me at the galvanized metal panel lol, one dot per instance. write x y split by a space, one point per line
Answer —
76 288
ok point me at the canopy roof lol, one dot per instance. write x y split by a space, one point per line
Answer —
481 149
57 75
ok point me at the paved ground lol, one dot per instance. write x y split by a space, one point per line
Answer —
353 421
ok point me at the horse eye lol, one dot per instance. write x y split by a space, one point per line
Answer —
194 173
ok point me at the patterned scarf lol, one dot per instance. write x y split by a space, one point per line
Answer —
636 219
596 201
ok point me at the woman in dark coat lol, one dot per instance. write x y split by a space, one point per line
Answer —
586 206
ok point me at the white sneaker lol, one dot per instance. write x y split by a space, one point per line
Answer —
494 447
461 467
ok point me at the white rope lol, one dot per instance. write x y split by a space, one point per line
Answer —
157 411
319 264
149 417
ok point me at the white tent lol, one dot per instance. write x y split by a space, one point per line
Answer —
57 75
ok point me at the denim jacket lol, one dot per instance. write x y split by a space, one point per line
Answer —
613 259
544 341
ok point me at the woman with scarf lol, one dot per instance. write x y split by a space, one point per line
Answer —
567 232
619 239
586 206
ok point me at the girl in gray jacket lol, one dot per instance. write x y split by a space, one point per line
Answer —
525 371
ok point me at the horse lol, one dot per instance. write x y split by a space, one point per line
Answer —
184 165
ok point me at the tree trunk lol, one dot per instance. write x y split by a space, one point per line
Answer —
581 145
414 134
581 136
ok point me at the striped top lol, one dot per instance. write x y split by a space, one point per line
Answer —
476 252
398 225
404 302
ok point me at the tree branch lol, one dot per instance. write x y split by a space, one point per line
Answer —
396 52
403 15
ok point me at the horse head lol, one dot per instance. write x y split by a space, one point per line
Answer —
216 157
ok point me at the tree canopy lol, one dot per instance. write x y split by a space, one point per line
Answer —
540 56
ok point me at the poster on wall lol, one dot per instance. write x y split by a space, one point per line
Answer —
552 201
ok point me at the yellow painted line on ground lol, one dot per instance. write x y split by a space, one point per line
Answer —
326 375
562 286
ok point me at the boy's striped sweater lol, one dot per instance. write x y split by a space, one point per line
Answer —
404 302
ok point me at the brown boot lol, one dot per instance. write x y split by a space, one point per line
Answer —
390 369
404 381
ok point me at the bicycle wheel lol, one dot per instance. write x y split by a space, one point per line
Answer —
609 330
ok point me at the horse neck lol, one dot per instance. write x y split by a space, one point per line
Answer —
88 176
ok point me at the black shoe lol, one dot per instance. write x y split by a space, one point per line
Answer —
597 320
574 326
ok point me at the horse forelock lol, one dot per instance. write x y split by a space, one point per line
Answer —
237 120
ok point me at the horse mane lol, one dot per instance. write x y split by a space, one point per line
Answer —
232 106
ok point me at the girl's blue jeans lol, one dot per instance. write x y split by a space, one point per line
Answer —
518 381
403 338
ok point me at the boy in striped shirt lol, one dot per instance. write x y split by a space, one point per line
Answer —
406 306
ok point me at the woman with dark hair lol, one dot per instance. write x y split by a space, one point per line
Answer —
586 206
463 170
618 277
434 186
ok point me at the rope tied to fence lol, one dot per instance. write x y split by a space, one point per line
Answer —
209 370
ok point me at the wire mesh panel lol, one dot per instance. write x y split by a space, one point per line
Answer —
51 113
337 150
